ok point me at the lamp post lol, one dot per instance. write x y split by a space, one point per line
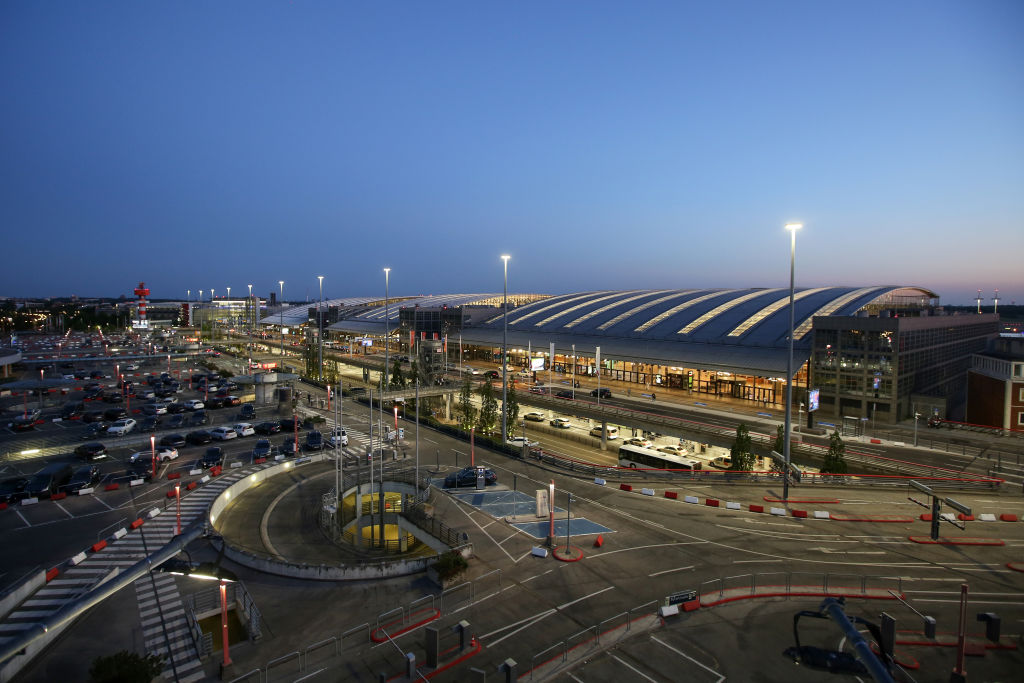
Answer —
320 330
281 284
224 622
177 497
152 456
385 382
504 357
792 227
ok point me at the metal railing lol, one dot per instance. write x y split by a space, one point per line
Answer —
784 584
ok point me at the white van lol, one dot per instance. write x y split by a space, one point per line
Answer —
610 432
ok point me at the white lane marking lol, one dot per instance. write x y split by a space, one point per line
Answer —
531 620
459 506
629 666
957 602
27 523
721 677
71 515
109 507
736 562
667 571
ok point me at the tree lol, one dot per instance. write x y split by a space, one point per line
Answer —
488 408
511 409
835 460
741 453
397 378
780 440
466 410
125 667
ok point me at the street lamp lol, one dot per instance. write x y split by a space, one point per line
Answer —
387 273
792 227
281 284
504 357
210 572
320 330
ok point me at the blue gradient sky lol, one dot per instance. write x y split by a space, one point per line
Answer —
604 145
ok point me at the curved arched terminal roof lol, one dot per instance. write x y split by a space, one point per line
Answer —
739 330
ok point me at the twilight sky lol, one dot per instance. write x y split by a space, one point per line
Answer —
604 145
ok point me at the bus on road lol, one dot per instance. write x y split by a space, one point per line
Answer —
638 457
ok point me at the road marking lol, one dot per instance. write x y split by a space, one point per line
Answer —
27 523
629 666
721 677
957 602
71 515
110 507
734 562
849 552
667 571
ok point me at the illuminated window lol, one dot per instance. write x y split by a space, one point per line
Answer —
675 309
722 308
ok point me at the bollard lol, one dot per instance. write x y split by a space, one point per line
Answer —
508 667
432 641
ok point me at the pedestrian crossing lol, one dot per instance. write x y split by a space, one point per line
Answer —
162 617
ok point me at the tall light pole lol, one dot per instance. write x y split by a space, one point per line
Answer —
281 285
320 330
385 383
792 227
504 357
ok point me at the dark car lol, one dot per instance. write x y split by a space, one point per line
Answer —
232 401
263 449
173 441
48 480
93 416
113 397
72 409
467 477
164 392
564 393
175 421
95 429
96 374
149 423
198 437
215 403
10 489
247 412
289 447
492 374
85 477
176 408
605 393
212 457
290 423
25 422
267 428
314 441
198 418
114 414
932 422
141 468
93 450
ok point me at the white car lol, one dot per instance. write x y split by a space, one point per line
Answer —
635 441
244 429
533 417
519 442
338 437
194 404
672 450
122 427
560 422
156 409
223 433
163 454
168 400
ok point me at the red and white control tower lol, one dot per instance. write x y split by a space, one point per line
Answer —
142 292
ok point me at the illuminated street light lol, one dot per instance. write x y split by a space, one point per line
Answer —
792 227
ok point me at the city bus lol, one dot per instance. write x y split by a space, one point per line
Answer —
648 458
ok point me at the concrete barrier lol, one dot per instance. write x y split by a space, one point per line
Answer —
625 487
140 482
691 499
172 494
962 517
193 473
1005 517
136 524
818 514
113 487
153 513
80 558
984 517
234 465
710 502
121 533
646 492
663 611
753 508
177 475
191 485
3 506
728 506
62 496
801 514
87 491
257 461
53 573
668 494
203 481
781 512
597 480
536 551
100 545
32 501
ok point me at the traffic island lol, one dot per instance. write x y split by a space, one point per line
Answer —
567 553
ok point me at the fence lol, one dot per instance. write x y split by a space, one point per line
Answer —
208 600
785 584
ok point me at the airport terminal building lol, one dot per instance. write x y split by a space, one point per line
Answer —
878 353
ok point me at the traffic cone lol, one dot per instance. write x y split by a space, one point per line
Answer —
599 541
472 641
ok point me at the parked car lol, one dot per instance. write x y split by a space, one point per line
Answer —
244 429
314 441
113 397
564 393
175 408
223 433
560 422
267 428
214 403
149 423
198 418
122 427
92 416
175 421
290 423
520 441
94 450
72 409
467 477
163 454
212 457
198 437
672 450
232 401
535 416
141 468
154 409
48 480
173 441
263 449
604 391
247 412
491 374
194 404
85 477
25 422
94 429
609 432
637 441
10 489
289 447
114 414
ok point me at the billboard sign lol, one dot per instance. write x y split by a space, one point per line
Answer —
812 400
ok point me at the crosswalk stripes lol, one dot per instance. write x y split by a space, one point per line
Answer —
161 611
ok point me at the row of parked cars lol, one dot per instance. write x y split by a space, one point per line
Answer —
58 477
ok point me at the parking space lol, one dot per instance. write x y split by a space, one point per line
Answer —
503 503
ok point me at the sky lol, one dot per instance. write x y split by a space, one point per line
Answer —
602 145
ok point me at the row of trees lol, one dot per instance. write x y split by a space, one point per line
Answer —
742 454
488 416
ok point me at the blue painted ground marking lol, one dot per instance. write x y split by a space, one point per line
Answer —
698 403
578 526
504 503
765 414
